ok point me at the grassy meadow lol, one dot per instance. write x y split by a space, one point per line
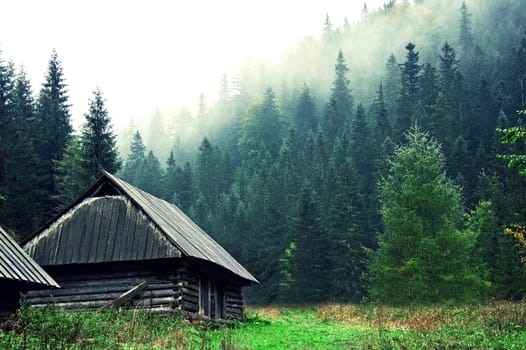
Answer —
327 326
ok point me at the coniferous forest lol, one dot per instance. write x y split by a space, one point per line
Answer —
363 166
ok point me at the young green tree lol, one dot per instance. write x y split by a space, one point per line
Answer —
422 255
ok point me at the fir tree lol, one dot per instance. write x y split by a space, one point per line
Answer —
338 111
305 120
134 160
99 149
409 90
421 256
53 124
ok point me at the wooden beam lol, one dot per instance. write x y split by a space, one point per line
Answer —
125 297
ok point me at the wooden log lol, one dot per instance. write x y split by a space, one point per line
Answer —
149 302
64 291
124 298
190 291
189 307
107 297
158 293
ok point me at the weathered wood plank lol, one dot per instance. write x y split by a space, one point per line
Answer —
124 298
112 229
74 247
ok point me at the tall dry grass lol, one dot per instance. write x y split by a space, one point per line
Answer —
498 315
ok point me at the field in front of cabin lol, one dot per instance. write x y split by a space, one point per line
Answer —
327 326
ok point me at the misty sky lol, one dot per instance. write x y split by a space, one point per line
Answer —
154 54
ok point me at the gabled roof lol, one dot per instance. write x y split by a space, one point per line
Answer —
16 265
168 224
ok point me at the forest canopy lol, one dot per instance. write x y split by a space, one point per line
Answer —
366 158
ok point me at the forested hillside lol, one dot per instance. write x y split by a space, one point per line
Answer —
362 165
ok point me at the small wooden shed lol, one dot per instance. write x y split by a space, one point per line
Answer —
18 273
116 236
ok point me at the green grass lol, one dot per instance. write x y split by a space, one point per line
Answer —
497 326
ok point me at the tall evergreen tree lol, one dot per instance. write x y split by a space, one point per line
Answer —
382 125
53 116
262 129
134 159
25 211
305 119
338 111
392 84
409 90
6 130
150 175
53 125
421 256
99 149
465 38
304 268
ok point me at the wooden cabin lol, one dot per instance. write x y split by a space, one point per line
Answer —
116 236
18 273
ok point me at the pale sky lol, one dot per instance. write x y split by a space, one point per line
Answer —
148 55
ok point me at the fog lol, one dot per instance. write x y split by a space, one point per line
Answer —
366 42
154 60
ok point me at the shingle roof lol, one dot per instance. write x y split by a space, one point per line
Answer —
177 229
16 265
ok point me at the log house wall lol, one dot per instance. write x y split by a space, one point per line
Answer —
173 287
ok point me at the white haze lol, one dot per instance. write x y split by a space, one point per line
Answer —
156 55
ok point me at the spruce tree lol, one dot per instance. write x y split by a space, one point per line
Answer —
134 159
261 130
99 149
421 256
409 90
382 126
338 111
25 210
392 85
305 119
53 124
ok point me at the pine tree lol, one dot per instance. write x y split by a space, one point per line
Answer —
99 149
25 210
134 160
338 111
149 175
381 123
71 177
392 85
261 130
305 119
53 124
428 95
409 90
6 130
465 38
53 116
421 256
303 267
